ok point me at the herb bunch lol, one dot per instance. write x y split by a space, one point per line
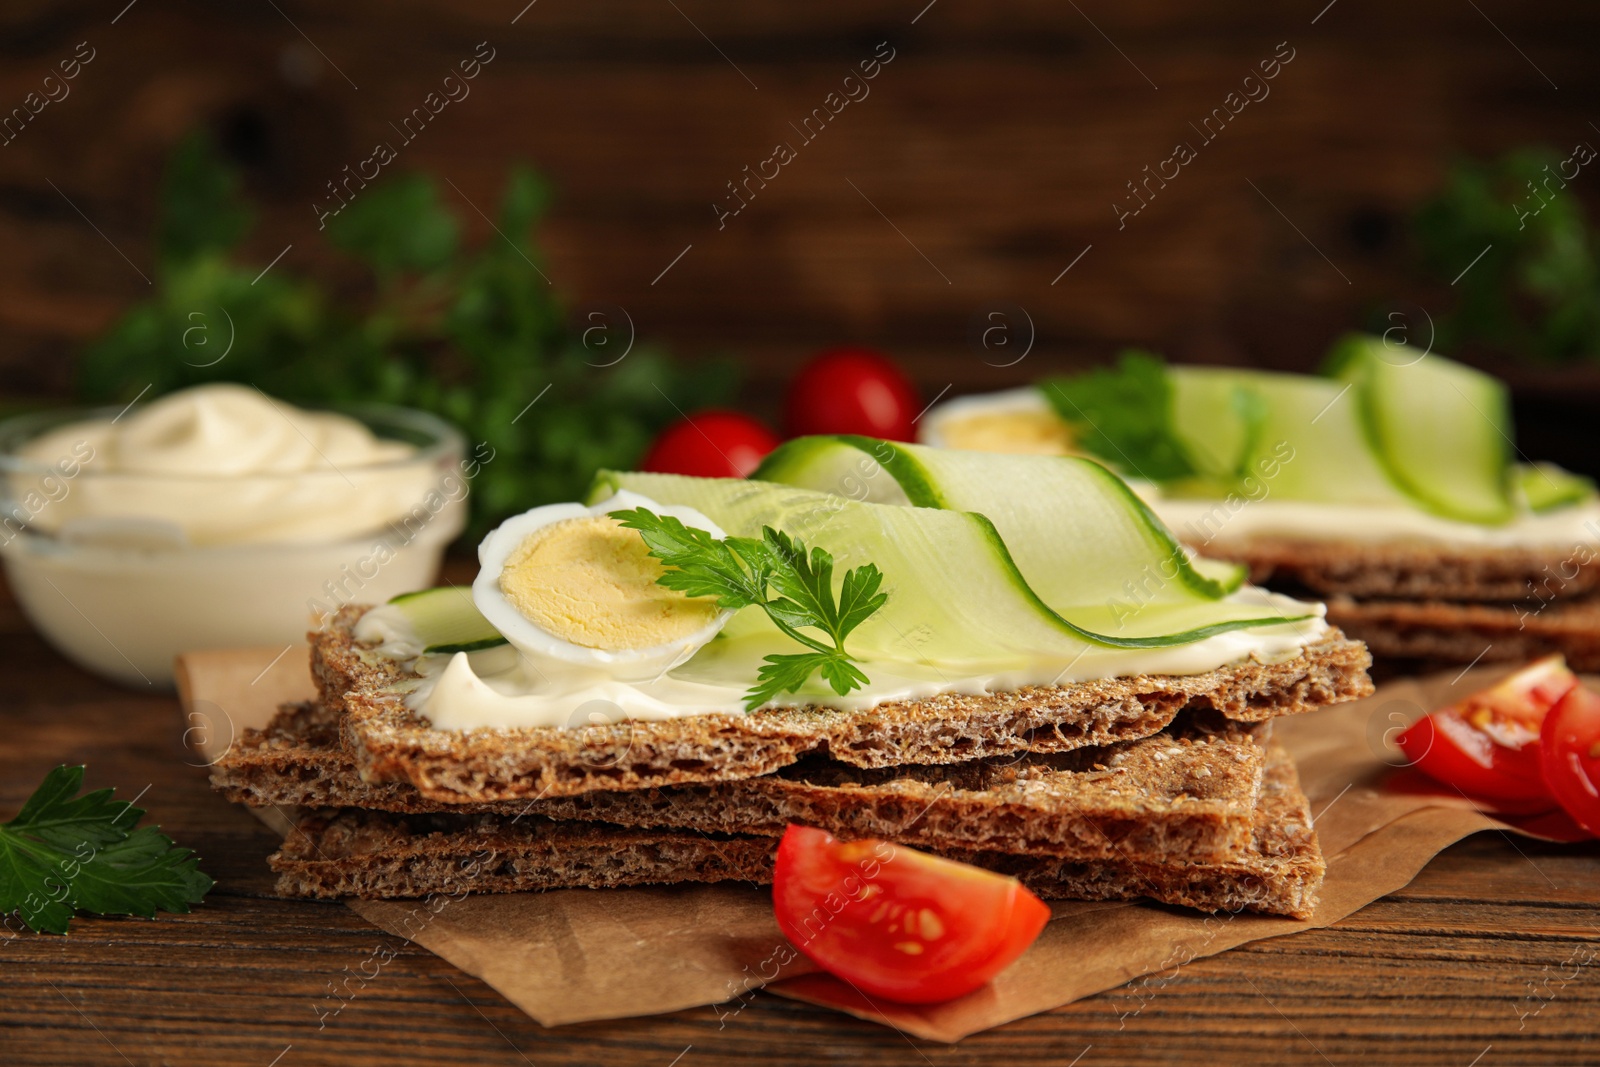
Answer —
475 336
741 572
66 853
1536 290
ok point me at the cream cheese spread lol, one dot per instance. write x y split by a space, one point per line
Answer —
500 688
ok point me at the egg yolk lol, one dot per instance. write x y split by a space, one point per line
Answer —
592 582
1018 432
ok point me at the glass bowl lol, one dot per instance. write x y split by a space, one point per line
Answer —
104 571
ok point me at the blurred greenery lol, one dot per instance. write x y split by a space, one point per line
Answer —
472 335
1536 293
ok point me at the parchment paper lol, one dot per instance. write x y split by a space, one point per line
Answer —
576 955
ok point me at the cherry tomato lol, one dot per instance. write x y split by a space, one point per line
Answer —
710 444
852 390
1486 746
1448 748
1570 746
897 923
1529 693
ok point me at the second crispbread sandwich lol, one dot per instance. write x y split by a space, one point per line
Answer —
1188 791
391 743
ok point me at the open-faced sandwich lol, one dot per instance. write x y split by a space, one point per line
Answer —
1004 660
1389 485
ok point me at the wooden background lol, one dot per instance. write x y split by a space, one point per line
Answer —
995 143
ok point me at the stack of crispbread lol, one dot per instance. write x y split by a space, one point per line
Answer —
1423 604
1167 787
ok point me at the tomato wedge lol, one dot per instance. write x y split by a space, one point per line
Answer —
1569 745
1487 745
897 923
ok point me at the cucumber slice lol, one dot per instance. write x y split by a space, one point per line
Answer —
446 620
1037 503
1547 487
1307 441
956 595
1440 429
1217 418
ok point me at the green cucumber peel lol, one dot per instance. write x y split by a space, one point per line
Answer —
446 620
1440 430
1546 487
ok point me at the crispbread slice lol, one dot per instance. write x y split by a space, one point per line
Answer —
387 855
1280 874
1415 570
1187 791
1437 632
389 742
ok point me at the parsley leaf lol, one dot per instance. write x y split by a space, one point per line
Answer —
1123 416
65 852
1536 292
739 571
472 331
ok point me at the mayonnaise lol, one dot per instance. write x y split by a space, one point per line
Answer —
217 517
500 688
225 464
1210 523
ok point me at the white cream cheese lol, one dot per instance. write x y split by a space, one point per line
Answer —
224 464
1211 522
499 688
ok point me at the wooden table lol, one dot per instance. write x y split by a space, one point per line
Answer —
1491 957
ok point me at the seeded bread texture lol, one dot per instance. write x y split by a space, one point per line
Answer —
1413 570
390 743
1437 633
388 855
1188 791
1280 875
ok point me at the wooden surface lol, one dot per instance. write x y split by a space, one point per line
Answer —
986 158
1491 957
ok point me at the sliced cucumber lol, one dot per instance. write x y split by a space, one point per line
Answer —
1307 442
956 594
1216 416
1076 530
1547 487
446 620
1440 429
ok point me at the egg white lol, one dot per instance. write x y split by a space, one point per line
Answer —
538 644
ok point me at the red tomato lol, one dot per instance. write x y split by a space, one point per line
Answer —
1529 693
897 923
1570 746
1485 746
852 390
710 444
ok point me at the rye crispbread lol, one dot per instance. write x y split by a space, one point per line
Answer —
352 852
1434 632
1187 791
1415 570
391 743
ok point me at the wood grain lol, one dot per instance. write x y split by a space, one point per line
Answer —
1482 952
988 155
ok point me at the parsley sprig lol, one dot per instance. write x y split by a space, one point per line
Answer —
65 852
741 571
1122 414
